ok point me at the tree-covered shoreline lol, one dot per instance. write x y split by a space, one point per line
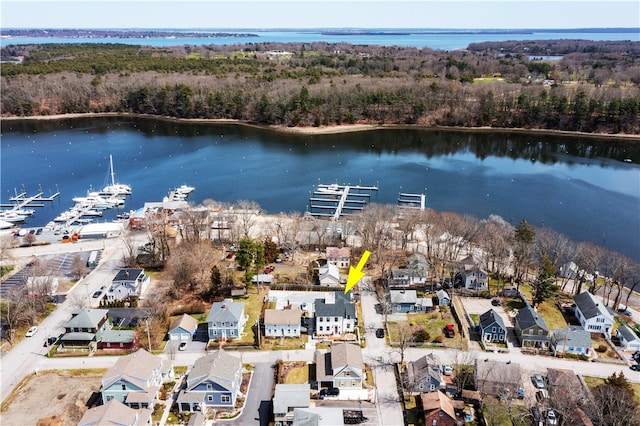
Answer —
594 88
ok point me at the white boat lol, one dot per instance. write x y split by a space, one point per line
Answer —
11 216
185 189
115 189
94 200
24 212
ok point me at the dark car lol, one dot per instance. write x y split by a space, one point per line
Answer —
635 367
96 294
495 302
50 341
330 392
39 231
535 414
379 333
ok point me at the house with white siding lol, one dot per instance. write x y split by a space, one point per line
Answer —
335 315
592 314
282 323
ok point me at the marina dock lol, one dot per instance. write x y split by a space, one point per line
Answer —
412 201
336 201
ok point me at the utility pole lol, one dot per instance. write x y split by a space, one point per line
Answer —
146 320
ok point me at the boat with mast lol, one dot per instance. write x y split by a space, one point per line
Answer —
115 189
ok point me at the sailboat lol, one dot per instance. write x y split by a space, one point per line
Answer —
115 189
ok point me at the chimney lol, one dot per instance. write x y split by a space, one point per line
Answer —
224 306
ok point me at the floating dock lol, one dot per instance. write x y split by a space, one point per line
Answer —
412 201
335 201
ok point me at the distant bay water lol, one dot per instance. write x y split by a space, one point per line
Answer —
586 188
434 39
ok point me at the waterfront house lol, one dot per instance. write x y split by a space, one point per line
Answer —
135 379
282 323
128 282
339 256
335 315
497 378
226 319
473 276
329 275
183 328
424 374
531 329
288 397
115 413
628 339
342 367
492 328
592 314
213 382
85 329
438 410
413 273
571 341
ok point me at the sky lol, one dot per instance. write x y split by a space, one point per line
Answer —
267 14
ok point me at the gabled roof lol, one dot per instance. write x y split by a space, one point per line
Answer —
218 367
341 307
427 365
346 355
577 338
282 317
288 396
118 336
128 274
185 322
442 294
329 270
338 252
590 306
490 317
434 401
469 264
403 296
627 333
86 318
527 317
114 413
417 260
136 368
226 311
318 416
507 373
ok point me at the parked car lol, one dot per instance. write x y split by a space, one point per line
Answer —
495 302
535 414
97 294
624 310
380 333
449 331
551 417
447 370
538 381
330 392
636 356
635 367
542 395
182 346
33 330
50 341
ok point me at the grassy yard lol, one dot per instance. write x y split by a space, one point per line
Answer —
592 382
277 343
369 375
433 323
298 375
551 314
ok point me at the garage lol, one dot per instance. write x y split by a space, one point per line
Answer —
183 328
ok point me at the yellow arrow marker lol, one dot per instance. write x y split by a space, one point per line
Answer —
356 274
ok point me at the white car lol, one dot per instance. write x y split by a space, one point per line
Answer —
33 330
447 370
551 417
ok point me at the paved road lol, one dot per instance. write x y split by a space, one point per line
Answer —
257 408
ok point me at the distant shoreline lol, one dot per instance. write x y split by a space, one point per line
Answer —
328 130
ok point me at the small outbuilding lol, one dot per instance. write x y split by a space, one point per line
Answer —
183 328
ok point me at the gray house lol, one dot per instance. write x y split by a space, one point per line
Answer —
213 382
492 327
531 329
571 341
341 368
403 300
473 276
282 323
85 328
286 399
226 319
117 414
424 374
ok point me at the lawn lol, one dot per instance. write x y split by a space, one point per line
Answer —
298 375
433 323
592 382
279 343
552 315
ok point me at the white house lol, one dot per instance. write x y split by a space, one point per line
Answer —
628 339
128 282
592 314
335 315
329 275
339 256
473 276
279 323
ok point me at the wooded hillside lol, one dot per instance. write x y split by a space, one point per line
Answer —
594 87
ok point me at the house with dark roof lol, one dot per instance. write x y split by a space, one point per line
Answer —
571 341
497 378
128 282
492 328
438 410
183 328
85 328
335 315
473 276
282 323
135 379
531 329
592 314
342 367
213 382
424 374
115 413
628 339
288 397
226 319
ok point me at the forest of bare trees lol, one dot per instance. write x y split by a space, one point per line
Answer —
593 88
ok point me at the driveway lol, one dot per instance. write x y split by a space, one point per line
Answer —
257 408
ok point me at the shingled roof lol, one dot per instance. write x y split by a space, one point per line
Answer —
226 311
527 317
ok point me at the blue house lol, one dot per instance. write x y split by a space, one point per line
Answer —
226 319
213 382
492 327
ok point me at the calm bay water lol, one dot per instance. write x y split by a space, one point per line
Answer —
583 188
433 40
